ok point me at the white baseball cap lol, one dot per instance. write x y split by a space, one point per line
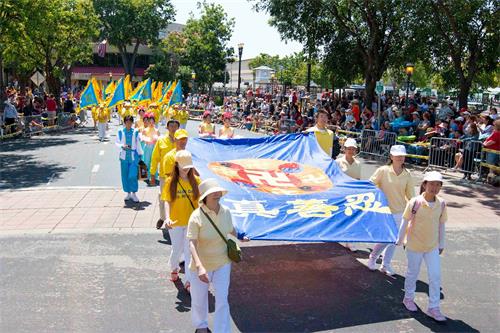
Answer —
184 159
433 176
398 150
350 142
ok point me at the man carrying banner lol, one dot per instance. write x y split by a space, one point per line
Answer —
164 145
323 134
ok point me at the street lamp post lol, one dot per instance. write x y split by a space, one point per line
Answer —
240 52
282 84
409 68
193 77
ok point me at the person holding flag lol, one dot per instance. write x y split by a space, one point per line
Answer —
102 114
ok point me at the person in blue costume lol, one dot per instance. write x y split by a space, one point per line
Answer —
127 139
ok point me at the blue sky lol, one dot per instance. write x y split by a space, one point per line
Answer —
251 28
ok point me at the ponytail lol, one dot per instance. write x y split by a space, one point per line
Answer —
422 186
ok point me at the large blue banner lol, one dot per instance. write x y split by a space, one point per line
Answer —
286 188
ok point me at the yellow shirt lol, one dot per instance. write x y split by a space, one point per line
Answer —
207 128
352 170
168 163
397 189
212 250
180 208
226 132
162 147
324 137
182 116
102 115
422 234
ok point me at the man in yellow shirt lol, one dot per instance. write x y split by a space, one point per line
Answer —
168 162
164 144
323 134
102 121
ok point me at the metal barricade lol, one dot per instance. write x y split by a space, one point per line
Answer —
463 156
489 163
377 143
195 114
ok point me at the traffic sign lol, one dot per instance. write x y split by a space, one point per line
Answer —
380 87
37 78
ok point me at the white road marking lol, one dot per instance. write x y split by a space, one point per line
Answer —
106 142
101 152
95 168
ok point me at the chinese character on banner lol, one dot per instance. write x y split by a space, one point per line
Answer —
244 208
365 202
312 208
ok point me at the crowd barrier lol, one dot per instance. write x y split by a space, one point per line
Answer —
463 156
490 160
377 143
37 124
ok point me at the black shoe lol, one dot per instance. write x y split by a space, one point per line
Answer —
159 224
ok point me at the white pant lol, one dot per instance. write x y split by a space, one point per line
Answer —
180 245
102 130
220 279
161 203
433 263
389 248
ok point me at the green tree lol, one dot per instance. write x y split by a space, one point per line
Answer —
126 23
372 31
52 35
207 41
463 39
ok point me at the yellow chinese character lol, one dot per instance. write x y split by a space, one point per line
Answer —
244 208
312 208
365 202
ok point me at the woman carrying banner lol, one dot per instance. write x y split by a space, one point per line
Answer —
422 232
209 258
397 184
181 193
149 136
127 139
226 132
206 128
351 167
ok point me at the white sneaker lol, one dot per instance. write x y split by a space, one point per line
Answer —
388 270
128 197
134 197
372 264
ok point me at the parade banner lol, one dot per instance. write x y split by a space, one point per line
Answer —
286 188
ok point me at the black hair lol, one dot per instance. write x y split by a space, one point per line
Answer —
173 121
128 118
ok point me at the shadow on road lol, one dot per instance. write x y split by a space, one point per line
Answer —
316 287
20 171
24 144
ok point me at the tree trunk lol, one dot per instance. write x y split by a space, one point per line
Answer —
370 83
309 77
463 95
2 85
132 58
125 62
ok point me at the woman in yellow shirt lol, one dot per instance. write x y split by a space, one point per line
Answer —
206 128
226 132
397 184
422 231
181 193
209 259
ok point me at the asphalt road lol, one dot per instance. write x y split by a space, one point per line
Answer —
117 282
67 159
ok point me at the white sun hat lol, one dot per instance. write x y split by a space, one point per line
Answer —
184 159
433 176
398 150
350 142
209 186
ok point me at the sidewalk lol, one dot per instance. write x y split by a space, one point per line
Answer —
70 209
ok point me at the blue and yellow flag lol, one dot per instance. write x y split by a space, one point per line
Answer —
176 97
285 187
89 95
164 93
143 93
118 94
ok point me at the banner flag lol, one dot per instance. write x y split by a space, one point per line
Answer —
286 188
